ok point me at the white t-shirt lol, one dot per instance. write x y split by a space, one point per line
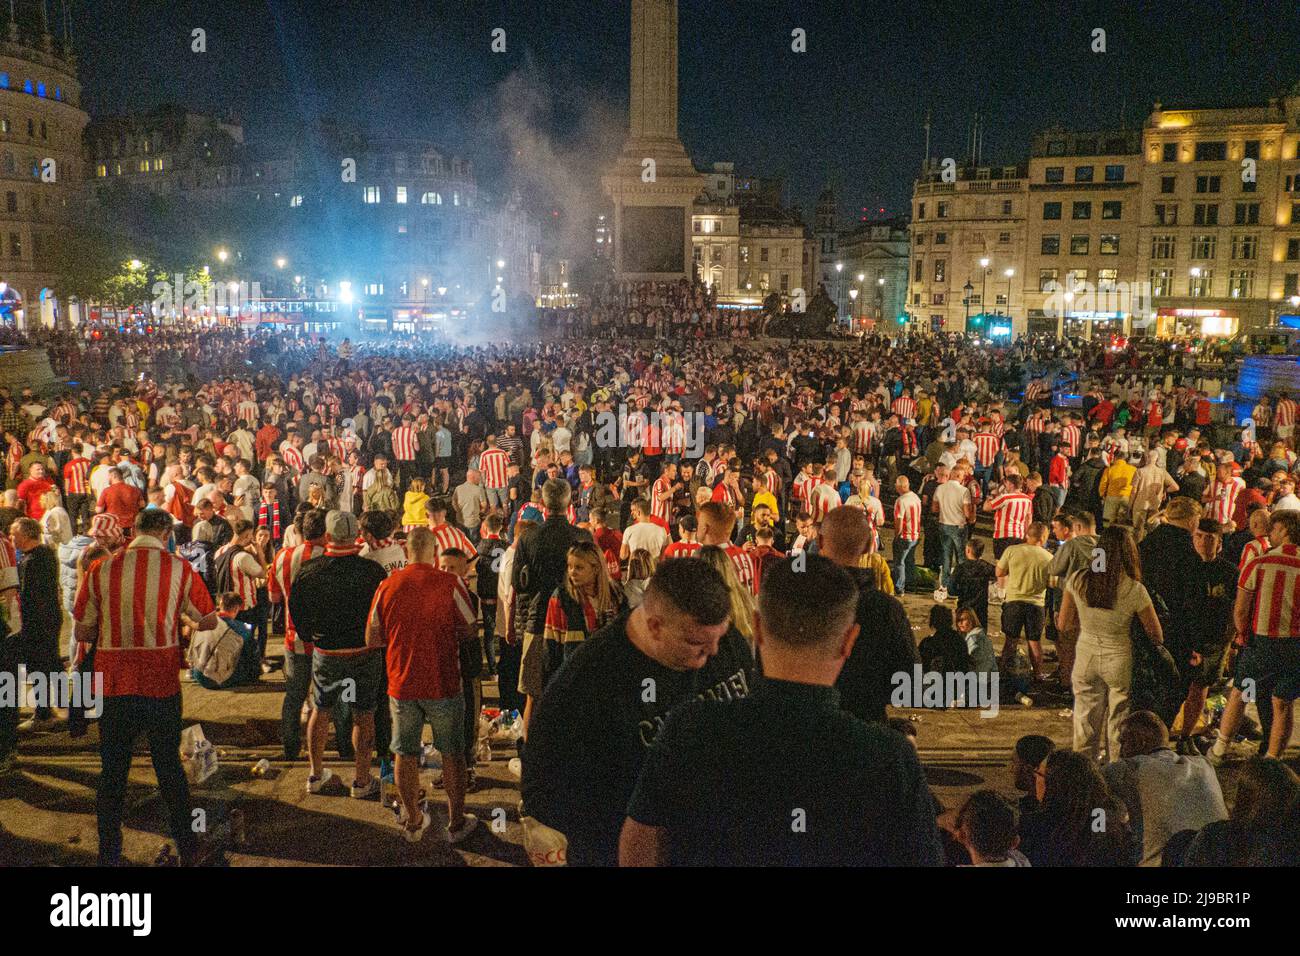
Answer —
391 558
1109 627
647 535
952 497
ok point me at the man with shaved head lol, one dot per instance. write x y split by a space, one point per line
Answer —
885 645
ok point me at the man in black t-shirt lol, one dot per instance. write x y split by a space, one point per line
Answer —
592 728
784 777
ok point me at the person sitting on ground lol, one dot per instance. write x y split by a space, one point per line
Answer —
983 659
1079 821
986 827
1267 790
249 668
1030 752
945 650
1164 792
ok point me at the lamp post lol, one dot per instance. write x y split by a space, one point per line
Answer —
839 287
880 300
984 284
967 289
853 295
1009 273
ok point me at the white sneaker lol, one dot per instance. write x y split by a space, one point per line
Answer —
516 768
461 832
33 726
1236 752
416 835
316 784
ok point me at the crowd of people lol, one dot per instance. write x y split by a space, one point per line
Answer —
682 562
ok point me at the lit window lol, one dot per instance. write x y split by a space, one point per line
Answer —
27 87
4 81
455 198
40 89
431 199
58 92
101 170
371 194
295 202
401 194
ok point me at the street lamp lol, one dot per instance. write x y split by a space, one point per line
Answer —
968 289
280 262
1009 273
223 255
984 283
135 265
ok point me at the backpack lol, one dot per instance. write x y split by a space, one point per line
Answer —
222 576
380 497
199 556
216 654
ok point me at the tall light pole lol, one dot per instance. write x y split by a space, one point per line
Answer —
1009 274
839 287
853 296
880 300
984 284
968 289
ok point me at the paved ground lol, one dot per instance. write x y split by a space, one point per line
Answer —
47 810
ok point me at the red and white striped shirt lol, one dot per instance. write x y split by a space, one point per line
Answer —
1222 498
661 507
1284 415
284 568
904 407
405 443
744 566
863 434
1070 435
907 516
241 581
448 536
986 448
293 458
75 473
1253 549
1011 513
802 487
493 463
248 411
136 599
1274 579
821 499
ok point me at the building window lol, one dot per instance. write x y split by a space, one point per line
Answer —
158 165
1051 210
431 199
1083 174
1006 207
1169 153
1291 285
1212 152
1162 281
40 89
1109 244
920 239
15 246
1054 174
1000 299
1047 280
1205 214
785 282
1293 250
1111 209
101 170
943 210
762 253
371 194
1081 210
4 125
1241 283
11 202
1004 238
1204 245
1246 214
1208 184
920 210
455 197
744 254
4 81
1115 174
1166 214
296 201
1245 246
31 128
1249 187
940 238
401 195
918 273
43 133
1078 245
699 255
1106 278
936 298
940 270
1163 246
1198 286
401 227
27 86
1051 246
785 254
1167 183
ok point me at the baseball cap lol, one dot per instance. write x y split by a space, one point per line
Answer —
342 526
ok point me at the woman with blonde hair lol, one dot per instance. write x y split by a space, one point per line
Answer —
640 568
742 602
585 603
56 526
413 510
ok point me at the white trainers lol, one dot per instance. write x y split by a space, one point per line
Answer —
461 832
316 784
516 768
416 835
1236 752
33 726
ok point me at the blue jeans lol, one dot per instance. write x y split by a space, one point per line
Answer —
904 561
954 547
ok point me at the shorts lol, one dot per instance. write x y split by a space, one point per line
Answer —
1273 661
445 717
353 679
1210 669
442 461
1022 617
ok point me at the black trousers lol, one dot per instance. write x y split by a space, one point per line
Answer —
509 658
123 720
79 512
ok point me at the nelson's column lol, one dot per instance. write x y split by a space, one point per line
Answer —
653 183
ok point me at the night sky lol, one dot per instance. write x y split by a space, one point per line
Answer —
850 110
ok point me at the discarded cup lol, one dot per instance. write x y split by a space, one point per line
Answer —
261 768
